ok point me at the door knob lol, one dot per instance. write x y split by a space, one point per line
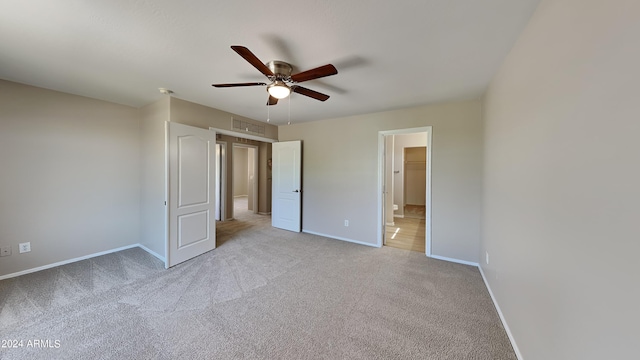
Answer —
296 191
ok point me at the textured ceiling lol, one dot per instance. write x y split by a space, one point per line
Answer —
389 54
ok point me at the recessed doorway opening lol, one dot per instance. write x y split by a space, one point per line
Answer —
245 179
405 184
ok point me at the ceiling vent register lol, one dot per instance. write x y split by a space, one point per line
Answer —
247 127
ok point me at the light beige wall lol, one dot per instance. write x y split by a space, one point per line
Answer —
153 187
70 179
251 176
193 114
340 174
264 178
561 182
240 171
389 175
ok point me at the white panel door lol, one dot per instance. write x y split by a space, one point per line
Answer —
191 192
287 190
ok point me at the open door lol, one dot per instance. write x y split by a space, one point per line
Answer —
287 190
191 173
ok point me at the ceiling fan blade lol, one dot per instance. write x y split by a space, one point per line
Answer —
272 100
252 59
310 93
238 84
322 71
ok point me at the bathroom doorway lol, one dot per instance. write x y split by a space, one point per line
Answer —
405 183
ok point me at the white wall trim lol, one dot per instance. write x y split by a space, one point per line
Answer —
64 262
264 213
398 216
160 257
242 135
340 238
458 261
504 321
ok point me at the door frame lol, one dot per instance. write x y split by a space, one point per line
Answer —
381 182
242 135
222 177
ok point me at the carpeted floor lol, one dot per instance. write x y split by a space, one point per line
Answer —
263 293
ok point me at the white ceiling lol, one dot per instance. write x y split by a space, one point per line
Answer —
389 54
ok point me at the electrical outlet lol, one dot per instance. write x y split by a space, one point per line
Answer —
24 247
346 223
5 251
487 257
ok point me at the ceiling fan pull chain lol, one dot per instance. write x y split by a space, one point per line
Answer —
289 122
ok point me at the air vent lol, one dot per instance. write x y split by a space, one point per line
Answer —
245 126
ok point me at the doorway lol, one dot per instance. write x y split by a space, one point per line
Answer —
407 230
245 179
405 184
415 182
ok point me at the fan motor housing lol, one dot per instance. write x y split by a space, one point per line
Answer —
280 68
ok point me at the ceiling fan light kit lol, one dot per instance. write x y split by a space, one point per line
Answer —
278 89
279 74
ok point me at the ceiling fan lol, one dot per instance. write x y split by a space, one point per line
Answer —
279 74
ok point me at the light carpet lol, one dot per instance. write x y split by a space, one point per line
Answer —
263 293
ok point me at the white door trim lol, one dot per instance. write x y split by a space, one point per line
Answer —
381 175
242 135
223 180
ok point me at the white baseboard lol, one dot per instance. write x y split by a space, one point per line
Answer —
504 321
161 258
59 263
264 213
391 224
339 238
464 262
398 216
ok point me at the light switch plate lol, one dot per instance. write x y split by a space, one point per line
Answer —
24 247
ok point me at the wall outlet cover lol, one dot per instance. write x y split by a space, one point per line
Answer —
5 251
